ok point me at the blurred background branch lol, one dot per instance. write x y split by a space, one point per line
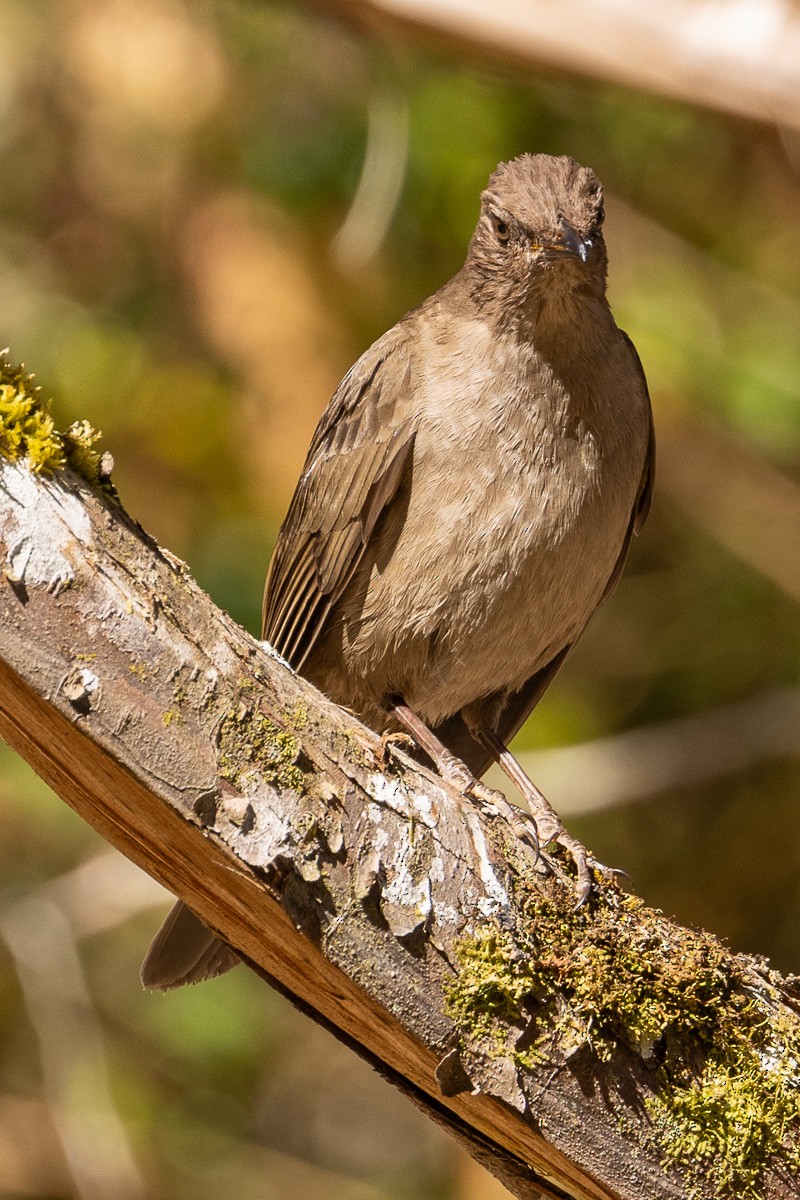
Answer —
175 174
739 56
75 1069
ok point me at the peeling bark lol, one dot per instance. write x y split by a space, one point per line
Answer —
356 887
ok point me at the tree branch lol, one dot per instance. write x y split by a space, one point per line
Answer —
593 1054
725 56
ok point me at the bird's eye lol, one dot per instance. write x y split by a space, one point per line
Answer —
601 216
502 232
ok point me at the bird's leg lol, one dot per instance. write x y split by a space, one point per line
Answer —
457 772
447 764
548 824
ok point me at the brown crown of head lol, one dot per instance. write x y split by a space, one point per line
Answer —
538 189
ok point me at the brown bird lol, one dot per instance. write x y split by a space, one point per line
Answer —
467 502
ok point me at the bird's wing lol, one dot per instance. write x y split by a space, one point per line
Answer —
520 704
644 493
644 496
355 464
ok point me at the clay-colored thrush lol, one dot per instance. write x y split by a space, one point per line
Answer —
468 500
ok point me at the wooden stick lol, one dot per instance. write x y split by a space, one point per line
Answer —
560 1047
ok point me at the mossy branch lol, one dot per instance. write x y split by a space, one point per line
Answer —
596 1054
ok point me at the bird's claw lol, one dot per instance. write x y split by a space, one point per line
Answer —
587 867
393 739
495 804
553 833
614 872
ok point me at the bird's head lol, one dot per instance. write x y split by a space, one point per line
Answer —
540 231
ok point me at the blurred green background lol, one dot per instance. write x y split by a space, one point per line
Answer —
207 212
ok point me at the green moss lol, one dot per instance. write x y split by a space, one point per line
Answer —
491 988
738 1115
28 433
248 740
728 1078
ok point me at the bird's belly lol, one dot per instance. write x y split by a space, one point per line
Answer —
488 580
526 615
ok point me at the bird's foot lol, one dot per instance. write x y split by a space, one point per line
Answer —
539 830
543 818
404 740
583 865
458 773
495 804
489 799
552 833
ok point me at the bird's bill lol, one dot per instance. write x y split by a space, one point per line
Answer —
567 241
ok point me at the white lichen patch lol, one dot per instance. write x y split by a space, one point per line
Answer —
774 1059
448 914
380 839
270 837
436 869
44 523
388 793
496 898
406 898
269 649
79 686
401 886
375 813
424 809
425 902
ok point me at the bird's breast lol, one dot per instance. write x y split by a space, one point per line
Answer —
520 497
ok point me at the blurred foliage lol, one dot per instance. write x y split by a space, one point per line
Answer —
174 175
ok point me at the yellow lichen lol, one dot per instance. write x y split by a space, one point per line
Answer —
27 431
249 741
299 717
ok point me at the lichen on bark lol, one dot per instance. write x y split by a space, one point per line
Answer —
249 741
726 1096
